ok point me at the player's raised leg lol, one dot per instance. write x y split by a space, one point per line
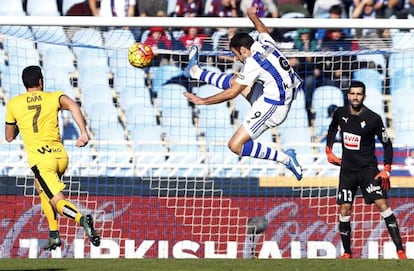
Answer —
220 80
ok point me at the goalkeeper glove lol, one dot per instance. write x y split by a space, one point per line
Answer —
332 158
384 177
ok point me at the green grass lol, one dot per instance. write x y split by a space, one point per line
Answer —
204 265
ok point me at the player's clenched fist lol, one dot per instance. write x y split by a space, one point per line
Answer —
384 177
82 141
332 158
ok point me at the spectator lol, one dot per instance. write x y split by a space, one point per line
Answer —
157 38
335 40
267 8
289 6
322 8
188 8
151 8
113 8
223 8
304 66
335 12
366 9
192 37
393 8
410 8
77 8
335 70
221 41
305 41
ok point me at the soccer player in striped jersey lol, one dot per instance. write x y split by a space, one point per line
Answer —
34 114
266 80
359 126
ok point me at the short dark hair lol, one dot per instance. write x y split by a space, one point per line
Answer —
336 9
357 84
241 39
31 76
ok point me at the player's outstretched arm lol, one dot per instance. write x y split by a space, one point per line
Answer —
220 97
69 104
258 24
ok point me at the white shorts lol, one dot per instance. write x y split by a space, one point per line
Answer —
264 115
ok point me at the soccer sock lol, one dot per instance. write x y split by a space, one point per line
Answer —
392 226
66 208
220 80
263 151
48 212
345 232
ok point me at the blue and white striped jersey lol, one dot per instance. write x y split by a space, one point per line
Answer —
268 65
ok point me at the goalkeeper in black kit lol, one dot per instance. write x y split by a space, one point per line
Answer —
359 127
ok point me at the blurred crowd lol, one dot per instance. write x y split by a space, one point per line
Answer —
365 9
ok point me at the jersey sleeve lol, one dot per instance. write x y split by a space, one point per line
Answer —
58 94
265 38
249 73
385 140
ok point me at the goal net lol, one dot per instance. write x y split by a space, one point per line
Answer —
157 175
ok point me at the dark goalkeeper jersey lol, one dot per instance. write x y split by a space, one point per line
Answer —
358 138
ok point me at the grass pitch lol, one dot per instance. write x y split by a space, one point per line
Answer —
204 265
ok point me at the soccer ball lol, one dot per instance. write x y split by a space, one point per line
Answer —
140 55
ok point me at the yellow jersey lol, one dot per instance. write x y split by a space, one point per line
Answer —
36 115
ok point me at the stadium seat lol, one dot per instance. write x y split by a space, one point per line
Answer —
58 80
42 8
118 38
93 94
178 117
295 132
49 36
371 78
401 72
403 117
377 60
138 115
11 8
94 76
128 76
324 96
18 31
88 43
65 56
118 61
170 96
374 101
401 40
162 74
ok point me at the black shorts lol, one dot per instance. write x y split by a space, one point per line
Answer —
350 181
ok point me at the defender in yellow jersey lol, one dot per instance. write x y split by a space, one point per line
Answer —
34 115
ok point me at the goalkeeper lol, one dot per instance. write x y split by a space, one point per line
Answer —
359 126
34 114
